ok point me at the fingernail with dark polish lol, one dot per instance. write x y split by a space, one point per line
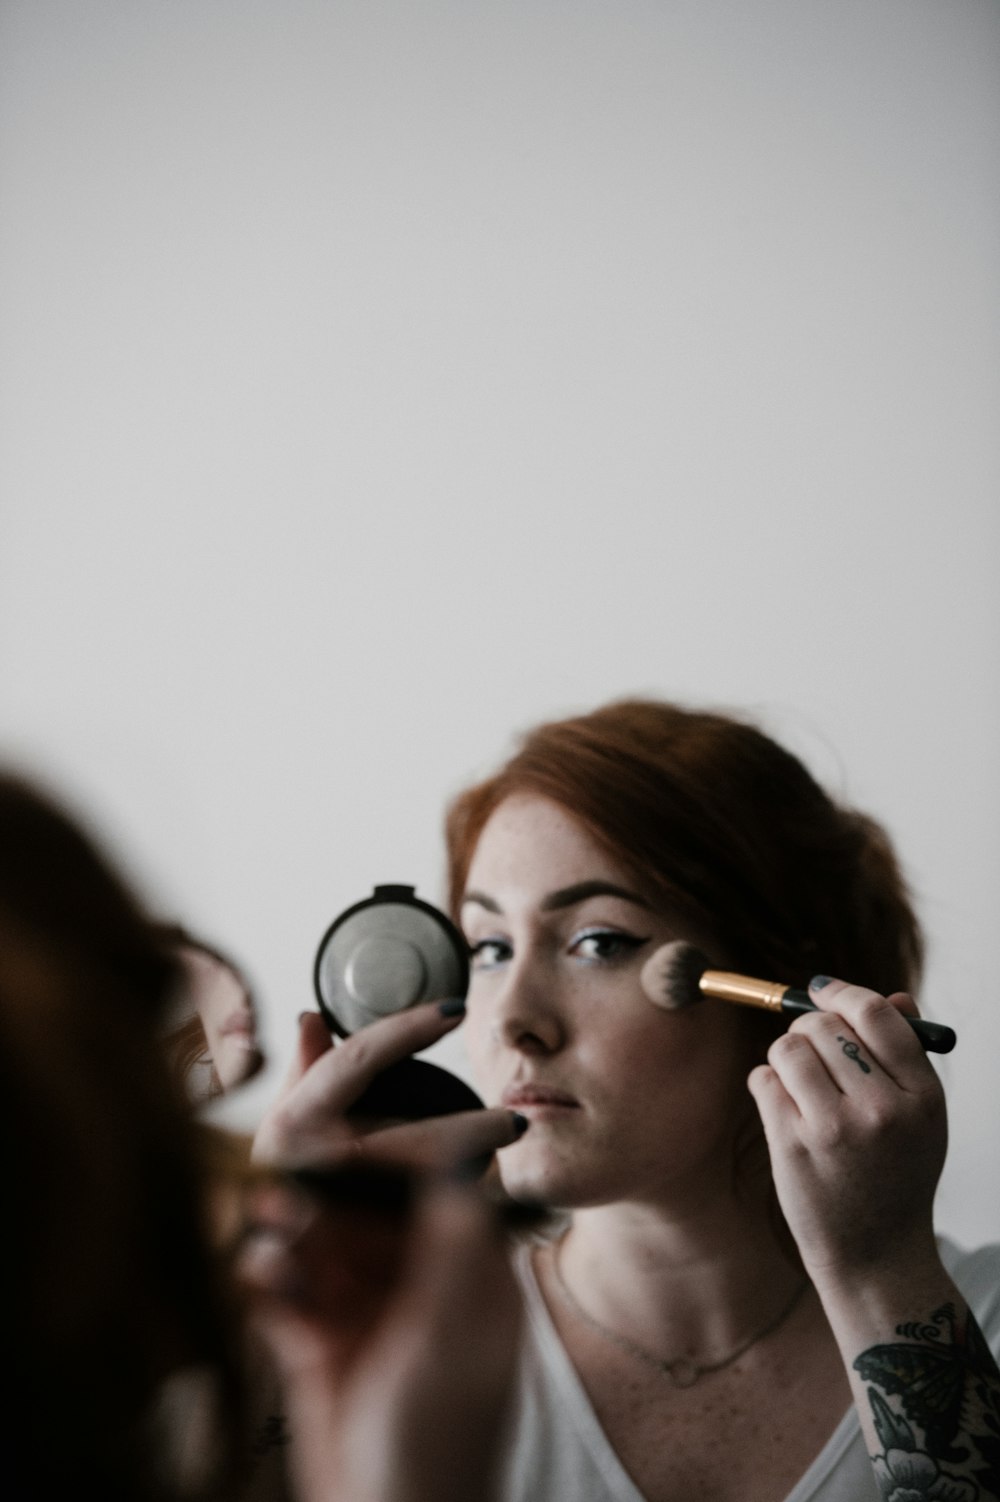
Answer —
521 1123
819 981
454 1007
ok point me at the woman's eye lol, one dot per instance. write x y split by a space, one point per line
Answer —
489 953
605 944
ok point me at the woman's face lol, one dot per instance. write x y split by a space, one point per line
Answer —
626 1101
226 1013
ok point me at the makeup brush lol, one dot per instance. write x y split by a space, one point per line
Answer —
678 975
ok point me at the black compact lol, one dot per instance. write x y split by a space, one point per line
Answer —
381 956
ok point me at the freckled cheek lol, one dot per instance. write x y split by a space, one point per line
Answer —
638 1054
649 1085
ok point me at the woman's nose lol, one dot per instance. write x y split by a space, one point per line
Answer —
526 1014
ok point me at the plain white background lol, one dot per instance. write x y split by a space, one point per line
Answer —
377 379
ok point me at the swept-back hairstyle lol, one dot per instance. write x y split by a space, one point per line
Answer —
727 829
112 1284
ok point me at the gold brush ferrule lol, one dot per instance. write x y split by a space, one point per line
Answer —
742 989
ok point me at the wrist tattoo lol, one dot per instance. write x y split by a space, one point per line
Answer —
853 1052
941 1438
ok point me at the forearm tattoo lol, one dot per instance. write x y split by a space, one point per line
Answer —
940 1439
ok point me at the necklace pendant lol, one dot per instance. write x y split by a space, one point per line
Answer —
682 1373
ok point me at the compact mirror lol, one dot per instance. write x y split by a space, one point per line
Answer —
382 956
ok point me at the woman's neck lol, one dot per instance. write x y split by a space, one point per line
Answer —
692 1281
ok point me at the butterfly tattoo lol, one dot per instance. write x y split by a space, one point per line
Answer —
930 1376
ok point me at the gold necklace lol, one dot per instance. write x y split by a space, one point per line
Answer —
683 1372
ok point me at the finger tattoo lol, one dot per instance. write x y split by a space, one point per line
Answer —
853 1052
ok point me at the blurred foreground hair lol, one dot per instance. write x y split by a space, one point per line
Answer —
115 1297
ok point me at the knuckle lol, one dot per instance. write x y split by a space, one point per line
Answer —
881 1117
785 1047
803 1024
795 1149
356 1053
872 1010
831 1134
815 1026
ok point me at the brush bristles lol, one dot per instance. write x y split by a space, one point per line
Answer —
670 976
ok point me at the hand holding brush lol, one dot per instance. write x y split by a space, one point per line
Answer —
678 975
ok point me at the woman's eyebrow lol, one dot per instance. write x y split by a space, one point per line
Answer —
481 899
565 897
581 890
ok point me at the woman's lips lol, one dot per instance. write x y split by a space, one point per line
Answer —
538 1099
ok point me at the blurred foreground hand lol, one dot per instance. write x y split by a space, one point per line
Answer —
396 1339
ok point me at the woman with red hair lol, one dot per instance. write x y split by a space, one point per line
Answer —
746 1299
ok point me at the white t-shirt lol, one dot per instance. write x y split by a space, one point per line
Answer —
560 1453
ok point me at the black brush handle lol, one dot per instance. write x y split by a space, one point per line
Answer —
935 1036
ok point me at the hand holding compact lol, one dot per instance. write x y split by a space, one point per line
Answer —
855 1121
310 1121
377 967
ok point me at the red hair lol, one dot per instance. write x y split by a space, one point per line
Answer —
728 829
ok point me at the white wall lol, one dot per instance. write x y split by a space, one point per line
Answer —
379 378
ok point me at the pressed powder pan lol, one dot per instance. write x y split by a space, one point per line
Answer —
383 955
